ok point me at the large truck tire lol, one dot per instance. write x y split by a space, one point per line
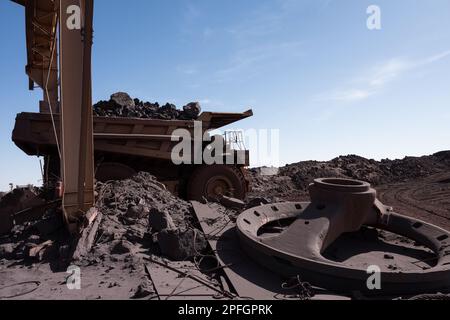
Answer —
212 182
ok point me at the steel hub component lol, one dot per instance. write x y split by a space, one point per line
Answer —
215 181
290 239
218 186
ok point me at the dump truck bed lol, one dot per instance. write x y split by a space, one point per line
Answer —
34 133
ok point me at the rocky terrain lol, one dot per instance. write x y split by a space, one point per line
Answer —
414 186
140 220
354 167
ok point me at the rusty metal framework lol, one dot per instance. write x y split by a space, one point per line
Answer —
59 62
41 19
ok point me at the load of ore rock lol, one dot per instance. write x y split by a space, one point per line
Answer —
121 105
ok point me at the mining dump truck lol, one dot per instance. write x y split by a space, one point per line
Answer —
59 41
125 146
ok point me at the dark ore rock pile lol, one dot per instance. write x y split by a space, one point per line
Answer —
137 216
292 181
121 105
375 172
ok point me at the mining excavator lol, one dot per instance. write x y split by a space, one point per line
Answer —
78 147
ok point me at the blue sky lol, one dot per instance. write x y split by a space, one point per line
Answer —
310 68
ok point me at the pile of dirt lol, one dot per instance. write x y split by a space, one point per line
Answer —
274 187
45 239
291 182
140 212
137 215
375 172
121 105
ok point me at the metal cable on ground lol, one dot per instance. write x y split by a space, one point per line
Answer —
226 294
305 290
37 283
176 288
429 297
204 256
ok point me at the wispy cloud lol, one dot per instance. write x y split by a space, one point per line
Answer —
270 18
346 95
265 38
436 57
250 60
191 12
191 15
211 103
377 78
188 70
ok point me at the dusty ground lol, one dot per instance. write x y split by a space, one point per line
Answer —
139 219
426 199
118 267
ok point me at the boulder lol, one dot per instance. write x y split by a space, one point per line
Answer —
137 212
122 247
144 290
181 245
123 100
6 250
192 110
160 220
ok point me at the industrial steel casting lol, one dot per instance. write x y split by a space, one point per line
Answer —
300 233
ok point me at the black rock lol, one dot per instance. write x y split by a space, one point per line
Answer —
122 247
121 105
181 245
144 290
6 250
123 100
191 110
160 220
256 202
